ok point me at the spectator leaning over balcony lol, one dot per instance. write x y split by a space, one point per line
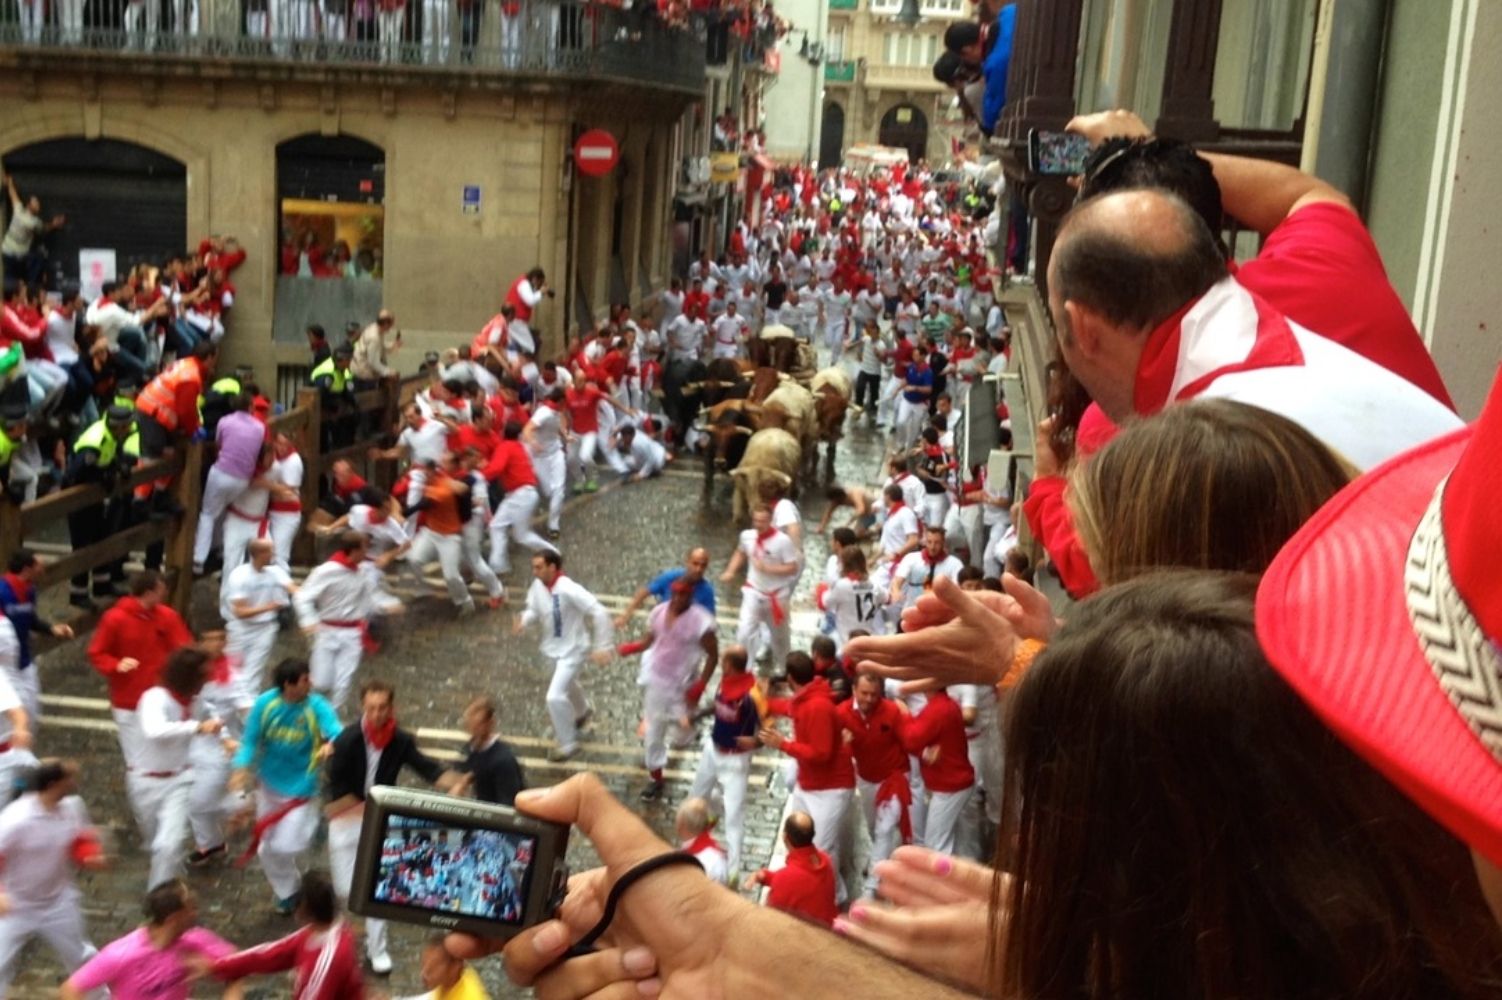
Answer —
23 258
122 328
372 349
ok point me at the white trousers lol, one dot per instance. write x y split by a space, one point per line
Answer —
511 40
992 561
70 17
910 418
551 473
435 31
333 662
219 492
827 807
883 824
248 647
128 730
583 454
162 807
390 26
283 529
886 403
344 844
140 17
335 26
470 538
935 507
664 708
28 688
732 773
566 701
512 521
286 839
944 809
449 551
756 611
963 528
59 922
211 802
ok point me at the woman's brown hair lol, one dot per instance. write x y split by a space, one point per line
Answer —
1211 484
1184 827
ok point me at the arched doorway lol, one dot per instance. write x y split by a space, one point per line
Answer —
331 224
831 136
117 196
905 127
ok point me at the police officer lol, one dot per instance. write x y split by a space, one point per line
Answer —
219 398
336 390
99 456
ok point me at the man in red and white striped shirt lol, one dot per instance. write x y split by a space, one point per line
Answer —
321 954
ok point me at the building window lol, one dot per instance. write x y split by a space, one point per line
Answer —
906 49
941 8
885 6
834 44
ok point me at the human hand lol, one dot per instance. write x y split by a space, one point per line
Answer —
747 743
752 881
622 620
20 739
770 737
1045 458
63 631
325 751
517 625
239 781
1020 603
970 643
680 916
599 657
930 755
726 576
126 664
946 940
210 726
1114 124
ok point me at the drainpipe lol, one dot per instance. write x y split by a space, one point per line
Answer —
1345 80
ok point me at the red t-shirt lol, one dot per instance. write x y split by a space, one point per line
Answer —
804 886
875 741
467 437
583 404
941 724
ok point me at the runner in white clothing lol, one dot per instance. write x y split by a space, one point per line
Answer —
730 333
250 603
772 564
899 535
574 625
15 723
161 786
914 575
680 634
853 599
544 436
284 514
333 606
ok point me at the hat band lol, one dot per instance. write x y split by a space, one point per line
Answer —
1464 660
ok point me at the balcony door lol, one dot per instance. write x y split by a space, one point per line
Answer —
831 136
905 127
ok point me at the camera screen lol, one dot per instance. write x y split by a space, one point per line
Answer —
444 868
1061 153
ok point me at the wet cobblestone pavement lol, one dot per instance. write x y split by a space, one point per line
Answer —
613 541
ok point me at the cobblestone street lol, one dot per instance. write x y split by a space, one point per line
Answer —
612 541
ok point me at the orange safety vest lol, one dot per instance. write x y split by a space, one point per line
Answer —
159 399
481 344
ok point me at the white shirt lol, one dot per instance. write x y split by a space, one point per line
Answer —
868 305
547 431
786 515
383 537
779 548
672 306
870 354
10 655
729 331
677 647
855 604
573 620
109 316
916 576
287 472
426 443
685 337
254 587
912 491
334 593
60 339
167 727
896 529
37 845
646 455
906 317
715 863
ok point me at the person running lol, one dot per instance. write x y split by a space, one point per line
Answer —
155 959
321 954
772 563
333 606
545 435
575 625
45 836
873 727
510 467
254 595
695 565
739 708
288 732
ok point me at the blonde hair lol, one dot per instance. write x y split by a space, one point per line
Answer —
1211 484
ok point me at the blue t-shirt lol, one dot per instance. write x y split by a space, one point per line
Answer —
996 67
22 615
282 739
661 588
918 377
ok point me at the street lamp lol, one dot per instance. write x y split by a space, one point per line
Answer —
909 14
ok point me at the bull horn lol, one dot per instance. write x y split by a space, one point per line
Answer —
782 477
857 410
699 429
690 387
743 430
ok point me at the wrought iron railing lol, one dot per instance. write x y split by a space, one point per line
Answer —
530 37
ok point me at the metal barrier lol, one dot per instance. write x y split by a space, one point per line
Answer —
530 37
379 409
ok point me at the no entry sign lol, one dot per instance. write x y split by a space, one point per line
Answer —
596 153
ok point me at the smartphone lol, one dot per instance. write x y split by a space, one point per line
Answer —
1057 154
457 864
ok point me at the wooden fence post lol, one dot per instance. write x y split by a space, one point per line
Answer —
10 529
310 446
188 490
391 415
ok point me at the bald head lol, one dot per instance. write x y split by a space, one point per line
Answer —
798 830
260 551
1134 257
696 564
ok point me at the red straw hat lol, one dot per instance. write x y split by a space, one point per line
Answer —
1385 613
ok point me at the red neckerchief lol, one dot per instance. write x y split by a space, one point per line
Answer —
762 537
343 559
186 703
736 686
1271 345
703 842
933 451
378 737
551 405
20 587
934 560
892 510
221 674
550 586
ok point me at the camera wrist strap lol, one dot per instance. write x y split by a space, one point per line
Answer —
637 872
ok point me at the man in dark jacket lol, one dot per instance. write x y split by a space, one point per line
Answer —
492 773
351 776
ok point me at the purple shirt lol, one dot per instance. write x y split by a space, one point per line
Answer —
240 437
135 969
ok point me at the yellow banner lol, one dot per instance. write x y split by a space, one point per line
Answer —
724 167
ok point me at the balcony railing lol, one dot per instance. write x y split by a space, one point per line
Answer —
889 77
839 72
536 37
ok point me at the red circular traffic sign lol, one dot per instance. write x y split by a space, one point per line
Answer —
596 153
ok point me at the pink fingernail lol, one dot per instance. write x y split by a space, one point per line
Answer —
649 987
858 914
943 865
840 926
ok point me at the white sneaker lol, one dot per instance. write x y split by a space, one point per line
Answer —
380 963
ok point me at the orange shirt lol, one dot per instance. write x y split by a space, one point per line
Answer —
442 514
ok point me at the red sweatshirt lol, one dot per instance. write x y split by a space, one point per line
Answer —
147 635
817 746
327 964
875 741
1048 517
941 724
511 464
804 886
